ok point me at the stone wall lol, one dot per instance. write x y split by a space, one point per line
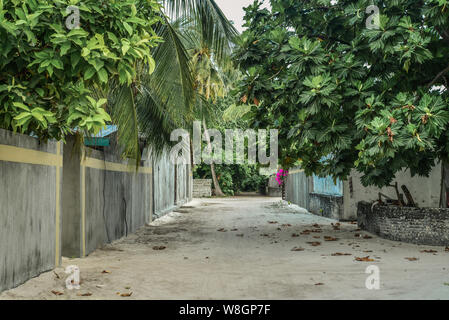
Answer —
326 205
426 226
202 188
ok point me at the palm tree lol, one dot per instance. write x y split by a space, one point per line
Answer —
158 103
209 80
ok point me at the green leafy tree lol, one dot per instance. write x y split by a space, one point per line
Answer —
373 99
49 73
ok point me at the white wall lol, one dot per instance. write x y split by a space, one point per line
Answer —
425 191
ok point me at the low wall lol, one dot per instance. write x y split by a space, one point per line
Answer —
202 188
30 206
326 205
274 190
425 226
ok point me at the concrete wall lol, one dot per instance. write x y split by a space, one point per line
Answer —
104 198
202 188
274 189
327 186
172 184
298 188
425 191
426 226
30 206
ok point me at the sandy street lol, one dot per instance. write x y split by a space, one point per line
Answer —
241 248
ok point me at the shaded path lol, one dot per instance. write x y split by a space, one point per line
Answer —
250 257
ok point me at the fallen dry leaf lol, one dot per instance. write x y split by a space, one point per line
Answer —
272 222
447 249
222 230
316 226
314 243
126 294
364 259
412 259
57 293
295 235
367 237
286 225
105 271
429 251
159 248
336 226
328 238
317 230
234 229
297 249
339 254
319 284
87 294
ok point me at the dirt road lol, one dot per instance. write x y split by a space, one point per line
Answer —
241 248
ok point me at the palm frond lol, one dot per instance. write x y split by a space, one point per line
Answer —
217 31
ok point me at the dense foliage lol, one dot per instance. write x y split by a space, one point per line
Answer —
354 96
234 178
48 71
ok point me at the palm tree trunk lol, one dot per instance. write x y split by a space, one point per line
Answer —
217 188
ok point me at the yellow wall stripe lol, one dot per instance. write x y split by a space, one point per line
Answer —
296 171
22 155
58 211
83 210
112 166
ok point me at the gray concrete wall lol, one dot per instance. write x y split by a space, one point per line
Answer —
164 185
117 204
104 198
297 188
173 187
29 197
425 191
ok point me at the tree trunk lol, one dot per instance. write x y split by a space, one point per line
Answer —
217 188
